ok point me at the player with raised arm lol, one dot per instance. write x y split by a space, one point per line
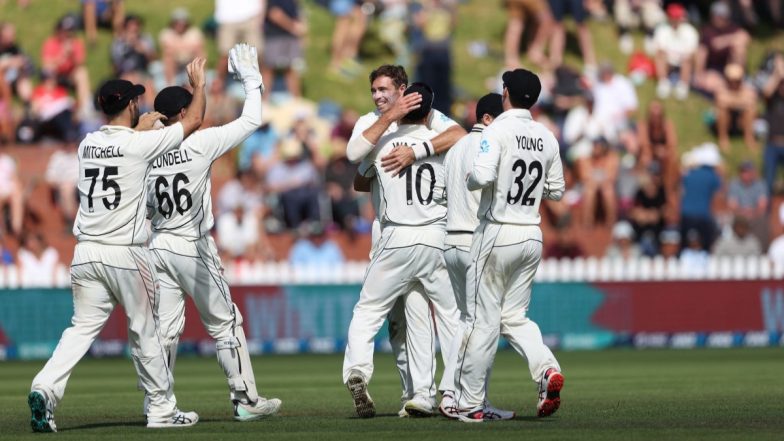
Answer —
408 255
462 220
387 84
111 262
516 166
185 255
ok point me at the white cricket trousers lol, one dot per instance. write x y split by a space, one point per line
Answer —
101 277
504 259
394 272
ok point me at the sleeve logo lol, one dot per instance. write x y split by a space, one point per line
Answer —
484 146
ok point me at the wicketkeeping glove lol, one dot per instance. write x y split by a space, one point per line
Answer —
244 63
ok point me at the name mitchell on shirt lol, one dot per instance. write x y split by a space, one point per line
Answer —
96 152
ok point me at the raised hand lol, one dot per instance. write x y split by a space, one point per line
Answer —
195 71
150 121
244 60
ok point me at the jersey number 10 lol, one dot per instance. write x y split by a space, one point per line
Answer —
408 172
182 197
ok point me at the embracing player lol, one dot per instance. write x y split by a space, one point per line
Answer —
111 262
516 166
462 220
387 84
409 255
184 252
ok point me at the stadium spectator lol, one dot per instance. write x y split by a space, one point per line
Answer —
736 108
558 39
738 241
296 182
339 179
7 125
52 110
567 92
615 102
631 14
180 42
238 234
773 91
747 197
694 257
776 248
536 13
599 183
670 243
6 256
258 152
284 31
132 52
64 54
675 43
106 14
392 30
648 212
37 262
721 43
244 190
350 26
658 142
17 68
239 21
304 133
62 173
11 196
565 244
623 246
580 129
436 20
315 248
700 186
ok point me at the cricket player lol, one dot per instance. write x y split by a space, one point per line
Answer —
185 255
462 220
409 254
111 263
517 165
387 84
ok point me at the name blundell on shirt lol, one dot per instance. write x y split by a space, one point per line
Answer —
172 158
96 152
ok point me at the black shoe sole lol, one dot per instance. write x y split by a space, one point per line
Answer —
38 420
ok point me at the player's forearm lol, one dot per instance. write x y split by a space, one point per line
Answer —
480 177
444 141
195 114
357 148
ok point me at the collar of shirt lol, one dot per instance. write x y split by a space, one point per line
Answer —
478 128
408 129
515 113
109 128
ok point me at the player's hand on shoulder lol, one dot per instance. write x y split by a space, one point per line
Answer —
195 71
244 61
399 158
403 105
150 121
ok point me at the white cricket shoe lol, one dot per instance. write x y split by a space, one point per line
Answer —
42 412
179 419
420 407
448 406
471 416
492 413
550 393
260 409
363 404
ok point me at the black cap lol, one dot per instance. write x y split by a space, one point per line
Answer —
427 101
523 86
491 104
114 95
171 100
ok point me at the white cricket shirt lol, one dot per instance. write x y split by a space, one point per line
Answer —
517 165
179 186
462 204
114 162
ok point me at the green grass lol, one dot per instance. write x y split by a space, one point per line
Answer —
731 394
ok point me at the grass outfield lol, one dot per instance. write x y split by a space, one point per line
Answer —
717 394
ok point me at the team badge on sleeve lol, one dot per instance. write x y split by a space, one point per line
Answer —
484 146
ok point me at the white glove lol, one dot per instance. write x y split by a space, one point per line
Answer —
244 63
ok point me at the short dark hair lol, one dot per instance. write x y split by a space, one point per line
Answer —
519 102
425 107
396 73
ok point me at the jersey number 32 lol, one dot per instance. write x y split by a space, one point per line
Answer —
533 167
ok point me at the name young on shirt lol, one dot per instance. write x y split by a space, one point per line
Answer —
96 152
172 158
526 143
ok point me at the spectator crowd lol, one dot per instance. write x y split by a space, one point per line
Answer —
628 173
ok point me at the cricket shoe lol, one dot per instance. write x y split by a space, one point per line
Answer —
403 413
179 419
363 404
492 413
42 412
550 393
471 416
419 407
448 406
260 409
